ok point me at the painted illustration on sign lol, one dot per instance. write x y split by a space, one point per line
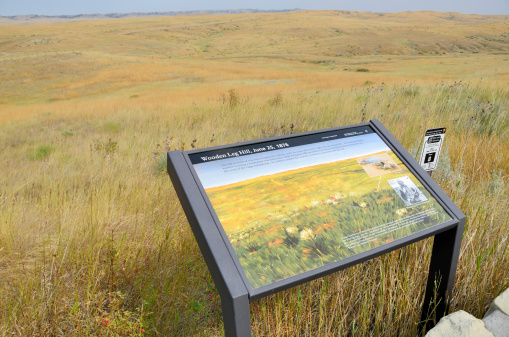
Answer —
296 208
378 165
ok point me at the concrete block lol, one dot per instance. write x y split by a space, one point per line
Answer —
498 323
459 324
500 303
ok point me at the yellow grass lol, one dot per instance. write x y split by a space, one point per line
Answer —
91 229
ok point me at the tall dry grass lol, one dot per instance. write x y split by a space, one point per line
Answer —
93 240
92 237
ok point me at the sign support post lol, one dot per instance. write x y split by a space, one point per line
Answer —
446 245
229 284
442 271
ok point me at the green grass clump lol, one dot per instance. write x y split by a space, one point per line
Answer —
40 152
160 164
111 127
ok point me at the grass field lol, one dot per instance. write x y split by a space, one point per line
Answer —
93 240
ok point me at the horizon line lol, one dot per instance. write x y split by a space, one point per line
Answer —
113 15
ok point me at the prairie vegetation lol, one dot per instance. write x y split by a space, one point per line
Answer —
92 237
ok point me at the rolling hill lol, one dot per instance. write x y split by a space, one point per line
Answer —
198 57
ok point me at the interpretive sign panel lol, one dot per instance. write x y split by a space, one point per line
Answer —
291 206
273 213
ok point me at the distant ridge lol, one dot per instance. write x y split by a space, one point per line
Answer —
143 14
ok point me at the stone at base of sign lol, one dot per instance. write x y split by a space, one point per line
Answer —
460 324
497 323
500 303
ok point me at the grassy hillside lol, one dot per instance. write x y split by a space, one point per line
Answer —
154 63
93 240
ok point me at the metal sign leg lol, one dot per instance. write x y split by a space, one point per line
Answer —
236 316
442 271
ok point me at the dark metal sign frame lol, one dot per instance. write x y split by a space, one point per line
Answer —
230 280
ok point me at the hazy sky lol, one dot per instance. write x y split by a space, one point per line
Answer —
60 7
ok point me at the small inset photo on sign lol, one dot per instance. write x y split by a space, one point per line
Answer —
376 165
407 191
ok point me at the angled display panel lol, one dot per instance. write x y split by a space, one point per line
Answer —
296 206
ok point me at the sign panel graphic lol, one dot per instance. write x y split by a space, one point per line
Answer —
291 206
